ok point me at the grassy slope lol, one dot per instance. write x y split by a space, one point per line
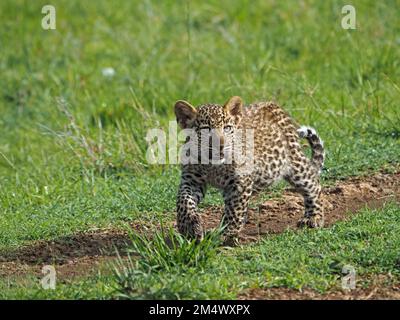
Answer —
345 83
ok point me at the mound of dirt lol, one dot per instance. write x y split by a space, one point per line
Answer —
340 202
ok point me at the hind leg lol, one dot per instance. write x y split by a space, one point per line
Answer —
306 181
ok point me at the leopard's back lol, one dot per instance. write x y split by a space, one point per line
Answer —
276 141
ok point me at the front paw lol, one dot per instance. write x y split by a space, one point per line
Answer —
315 221
230 241
191 228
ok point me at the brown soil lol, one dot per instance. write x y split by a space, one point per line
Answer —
83 253
75 267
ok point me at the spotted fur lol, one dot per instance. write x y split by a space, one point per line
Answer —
277 155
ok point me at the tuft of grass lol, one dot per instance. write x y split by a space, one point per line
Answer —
165 252
167 249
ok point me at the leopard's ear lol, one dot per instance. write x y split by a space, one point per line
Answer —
234 107
185 113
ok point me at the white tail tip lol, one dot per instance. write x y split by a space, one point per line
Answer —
305 131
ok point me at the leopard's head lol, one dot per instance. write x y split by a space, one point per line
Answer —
214 125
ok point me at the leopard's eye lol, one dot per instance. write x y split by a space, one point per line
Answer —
228 129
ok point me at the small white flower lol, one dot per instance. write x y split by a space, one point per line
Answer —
108 72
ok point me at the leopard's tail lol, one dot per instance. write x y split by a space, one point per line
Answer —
316 144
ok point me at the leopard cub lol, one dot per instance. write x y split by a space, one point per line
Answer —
276 154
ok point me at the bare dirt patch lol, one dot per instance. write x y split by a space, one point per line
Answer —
83 252
74 267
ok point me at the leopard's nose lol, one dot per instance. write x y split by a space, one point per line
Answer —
221 138
217 141
221 142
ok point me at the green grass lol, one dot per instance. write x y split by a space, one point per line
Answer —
53 97
314 259
72 142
